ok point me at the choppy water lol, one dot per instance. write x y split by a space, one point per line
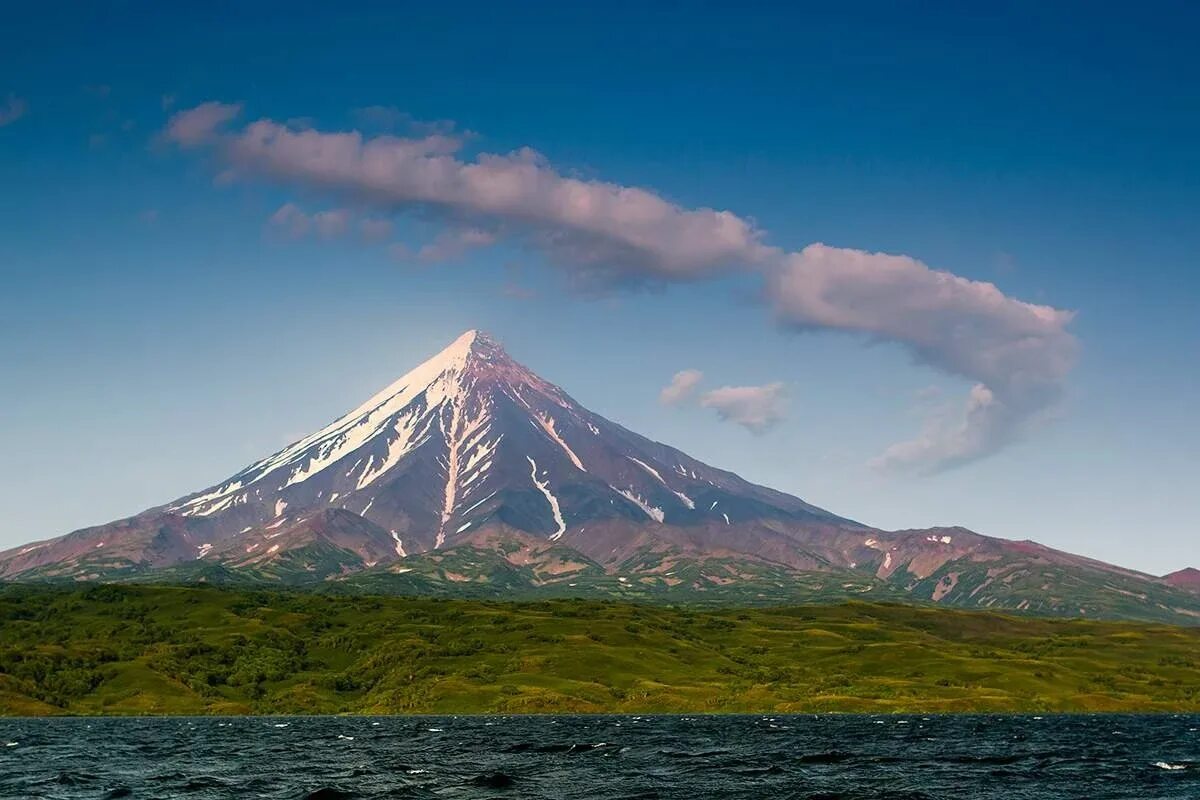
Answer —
603 757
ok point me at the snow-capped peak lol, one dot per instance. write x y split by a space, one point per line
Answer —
469 438
468 445
387 413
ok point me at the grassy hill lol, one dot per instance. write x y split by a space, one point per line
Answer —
130 649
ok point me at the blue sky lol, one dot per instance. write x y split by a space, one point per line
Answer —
158 331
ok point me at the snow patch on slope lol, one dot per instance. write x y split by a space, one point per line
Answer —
683 498
544 488
435 380
648 468
547 424
653 512
404 439
463 432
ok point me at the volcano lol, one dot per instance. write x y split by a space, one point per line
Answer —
471 474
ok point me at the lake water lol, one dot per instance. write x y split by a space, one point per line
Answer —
1009 757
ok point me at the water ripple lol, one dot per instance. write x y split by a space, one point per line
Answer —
572 758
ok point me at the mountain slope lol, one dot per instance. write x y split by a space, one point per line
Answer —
468 439
1187 578
472 473
472 437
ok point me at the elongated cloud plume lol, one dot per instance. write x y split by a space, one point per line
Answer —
612 232
755 408
1015 354
682 387
1018 353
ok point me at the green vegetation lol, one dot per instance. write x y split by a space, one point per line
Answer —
134 649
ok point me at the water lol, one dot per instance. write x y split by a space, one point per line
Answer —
1010 757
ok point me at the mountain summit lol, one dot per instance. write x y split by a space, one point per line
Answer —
471 473
471 438
467 440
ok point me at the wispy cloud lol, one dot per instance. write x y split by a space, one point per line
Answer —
454 244
200 125
12 110
681 388
393 120
296 223
1016 354
376 229
755 408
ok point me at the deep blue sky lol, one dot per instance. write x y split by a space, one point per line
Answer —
155 336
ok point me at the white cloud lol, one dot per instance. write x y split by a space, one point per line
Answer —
682 387
1017 355
756 408
332 223
12 110
609 232
454 243
200 125
290 219
296 223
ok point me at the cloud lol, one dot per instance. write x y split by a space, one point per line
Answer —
291 220
12 110
333 223
1016 355
296 223
608 232
681 388
392 119
756 408
375 229
951 437
200 125
453 244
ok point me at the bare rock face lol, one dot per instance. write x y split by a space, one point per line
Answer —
472 453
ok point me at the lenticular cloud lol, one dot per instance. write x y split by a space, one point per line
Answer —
1016 354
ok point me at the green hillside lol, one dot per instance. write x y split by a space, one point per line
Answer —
134 649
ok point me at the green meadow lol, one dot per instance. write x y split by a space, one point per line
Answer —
143 649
